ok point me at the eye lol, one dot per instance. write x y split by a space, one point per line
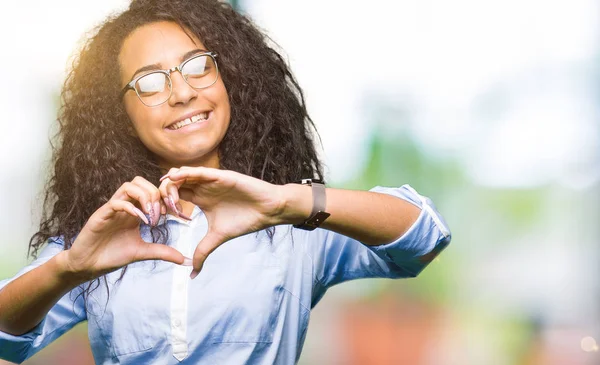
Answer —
152 83
198 67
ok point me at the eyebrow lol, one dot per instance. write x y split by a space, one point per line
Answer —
157 66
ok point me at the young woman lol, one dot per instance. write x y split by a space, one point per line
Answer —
176 220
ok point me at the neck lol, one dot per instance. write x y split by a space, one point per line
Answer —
208 160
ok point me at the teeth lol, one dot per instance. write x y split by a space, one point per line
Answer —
194 119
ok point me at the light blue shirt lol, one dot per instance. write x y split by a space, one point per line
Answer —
250 304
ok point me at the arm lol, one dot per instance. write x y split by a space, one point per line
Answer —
337 257
25 301
237 204
369 217
28 325
108 241
36 307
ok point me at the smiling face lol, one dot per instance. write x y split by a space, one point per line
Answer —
188 127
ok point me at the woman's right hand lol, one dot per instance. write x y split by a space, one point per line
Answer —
111 237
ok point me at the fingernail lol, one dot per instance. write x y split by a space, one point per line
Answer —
173 206
187 262
141 215
150 213
164 177
194 274
179 210
156 211
151 217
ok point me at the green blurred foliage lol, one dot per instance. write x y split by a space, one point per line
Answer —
394 159
482 220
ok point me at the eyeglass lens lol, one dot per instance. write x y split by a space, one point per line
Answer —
155 88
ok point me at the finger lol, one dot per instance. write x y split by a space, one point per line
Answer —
173 169
166 182
163 208
208 244
195 174
127 207
154 193
169 192
133 193
141 215
155 251
189 195
173 198
175 209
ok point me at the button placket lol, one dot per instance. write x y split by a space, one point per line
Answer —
179 295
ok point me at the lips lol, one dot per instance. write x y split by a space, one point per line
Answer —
192 118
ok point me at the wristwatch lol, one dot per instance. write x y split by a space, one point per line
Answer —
318 214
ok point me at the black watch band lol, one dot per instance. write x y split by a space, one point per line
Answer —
318 214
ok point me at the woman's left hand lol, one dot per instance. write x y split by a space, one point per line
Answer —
234 204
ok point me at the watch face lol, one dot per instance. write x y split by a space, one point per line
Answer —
309 181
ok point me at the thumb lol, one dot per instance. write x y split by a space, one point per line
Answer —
157 251
209 243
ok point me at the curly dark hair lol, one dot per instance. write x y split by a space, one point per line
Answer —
269 136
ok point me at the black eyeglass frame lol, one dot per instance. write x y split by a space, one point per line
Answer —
131 84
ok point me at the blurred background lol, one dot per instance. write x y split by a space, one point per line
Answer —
490 108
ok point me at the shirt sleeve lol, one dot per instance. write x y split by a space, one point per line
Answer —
67 312
338 258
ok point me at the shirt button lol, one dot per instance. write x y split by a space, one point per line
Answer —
177 323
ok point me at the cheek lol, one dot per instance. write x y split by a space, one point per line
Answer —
140 118
224 100
133 112
220 92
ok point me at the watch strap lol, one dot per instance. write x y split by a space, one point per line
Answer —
318 213
319 197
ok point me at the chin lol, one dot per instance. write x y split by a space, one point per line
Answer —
208 159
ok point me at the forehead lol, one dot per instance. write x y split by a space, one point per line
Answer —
161 43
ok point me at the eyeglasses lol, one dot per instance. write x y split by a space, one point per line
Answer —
155 88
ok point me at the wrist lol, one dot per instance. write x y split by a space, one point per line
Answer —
67 273
296 204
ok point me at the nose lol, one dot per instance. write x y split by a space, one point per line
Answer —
182 92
